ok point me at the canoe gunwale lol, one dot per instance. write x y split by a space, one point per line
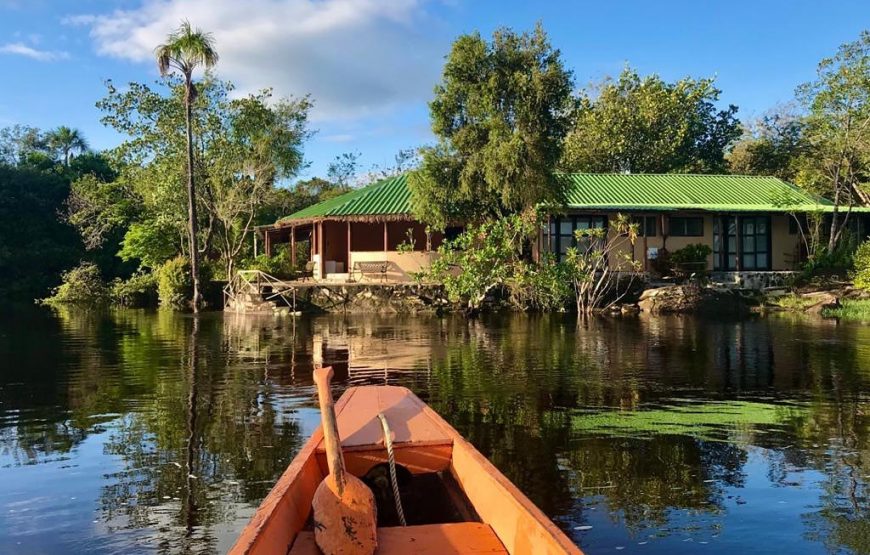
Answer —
520 525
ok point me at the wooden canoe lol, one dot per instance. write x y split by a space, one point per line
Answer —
488 515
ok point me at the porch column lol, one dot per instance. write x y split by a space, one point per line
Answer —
348 248
293 246
320 266
738 224
255 243
385 237
268 241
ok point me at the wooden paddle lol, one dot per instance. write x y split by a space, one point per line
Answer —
345 519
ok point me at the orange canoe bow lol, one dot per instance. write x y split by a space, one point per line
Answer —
485 512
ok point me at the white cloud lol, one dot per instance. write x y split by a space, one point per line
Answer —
355 57
21 49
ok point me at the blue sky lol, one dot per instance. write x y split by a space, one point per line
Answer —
370 65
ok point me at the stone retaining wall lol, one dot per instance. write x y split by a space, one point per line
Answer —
399 298
752 280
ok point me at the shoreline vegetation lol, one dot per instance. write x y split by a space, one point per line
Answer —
157 221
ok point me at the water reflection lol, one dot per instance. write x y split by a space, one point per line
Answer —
133 430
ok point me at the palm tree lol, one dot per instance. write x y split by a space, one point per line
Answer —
66 140
184 51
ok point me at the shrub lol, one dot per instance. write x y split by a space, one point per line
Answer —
695 254
81 285
174 284
488 256
545 286
861 261
277 265
140 290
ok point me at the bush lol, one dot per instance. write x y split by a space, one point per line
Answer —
861 261
695 254
140 290
489 257
545 287
174 284
277 265
82 285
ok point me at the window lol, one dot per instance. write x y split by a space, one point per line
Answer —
686 226
755 242
646 225
562 231
752 233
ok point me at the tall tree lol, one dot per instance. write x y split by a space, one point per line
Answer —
184 51
770 146
65 140
646 125
501 113
246 148
837 162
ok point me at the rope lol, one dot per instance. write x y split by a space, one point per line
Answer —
388 441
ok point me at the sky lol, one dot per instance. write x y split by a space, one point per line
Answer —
371 65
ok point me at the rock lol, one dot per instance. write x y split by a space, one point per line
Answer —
775 292
819 301
673 299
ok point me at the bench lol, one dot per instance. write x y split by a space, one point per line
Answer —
378 267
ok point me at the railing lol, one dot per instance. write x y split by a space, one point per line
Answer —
257 282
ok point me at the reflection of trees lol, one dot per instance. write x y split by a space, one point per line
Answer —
204 428
207 419
514 385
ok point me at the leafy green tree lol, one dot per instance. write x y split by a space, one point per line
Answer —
65 141
18 141
35 245
646 125
184 51
770 146
837 132
501 113
247 148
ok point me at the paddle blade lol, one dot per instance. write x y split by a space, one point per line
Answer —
345 524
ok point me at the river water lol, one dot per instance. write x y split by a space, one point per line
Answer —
134 431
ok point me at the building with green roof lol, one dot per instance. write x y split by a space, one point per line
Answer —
751 223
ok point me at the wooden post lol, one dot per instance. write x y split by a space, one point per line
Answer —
255 243
348 248
268 241
738 232
293 247
385 237
320 250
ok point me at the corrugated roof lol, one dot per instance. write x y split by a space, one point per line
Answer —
686 192
655 192
387 197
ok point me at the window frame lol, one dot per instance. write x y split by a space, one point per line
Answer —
684 220
555 234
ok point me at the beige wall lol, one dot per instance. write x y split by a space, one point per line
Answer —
401 264
784 247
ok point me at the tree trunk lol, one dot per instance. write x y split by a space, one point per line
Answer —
191 197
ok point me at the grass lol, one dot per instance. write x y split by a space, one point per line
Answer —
792 301
857 309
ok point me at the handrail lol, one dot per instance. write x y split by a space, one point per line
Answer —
253 281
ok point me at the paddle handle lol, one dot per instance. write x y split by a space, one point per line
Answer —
334 457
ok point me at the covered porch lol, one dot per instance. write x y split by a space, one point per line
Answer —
354 250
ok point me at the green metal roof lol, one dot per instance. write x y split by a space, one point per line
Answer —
660 192
387 197
391 198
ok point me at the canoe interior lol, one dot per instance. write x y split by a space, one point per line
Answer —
455 501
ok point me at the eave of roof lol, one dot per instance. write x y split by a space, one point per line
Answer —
390 199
